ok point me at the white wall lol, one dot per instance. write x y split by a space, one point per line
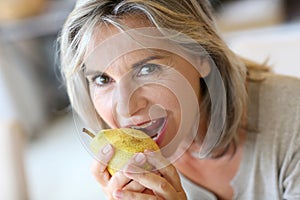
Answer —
279 45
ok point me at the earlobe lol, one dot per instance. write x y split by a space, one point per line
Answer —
204 67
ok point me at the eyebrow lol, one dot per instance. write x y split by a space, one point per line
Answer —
92 72
138 64
135 65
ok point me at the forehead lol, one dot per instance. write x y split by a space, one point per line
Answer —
110 43
106 30
130 46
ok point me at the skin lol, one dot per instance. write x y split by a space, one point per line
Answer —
133 182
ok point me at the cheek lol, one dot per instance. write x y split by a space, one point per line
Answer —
173 109
181 100
103 105
169 101
164 97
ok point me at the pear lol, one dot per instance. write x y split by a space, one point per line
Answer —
126 143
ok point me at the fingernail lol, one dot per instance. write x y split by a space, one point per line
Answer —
139 158
107 148
118 194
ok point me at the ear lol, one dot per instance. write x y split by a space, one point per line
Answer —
204 66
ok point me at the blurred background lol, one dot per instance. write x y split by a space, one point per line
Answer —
41 157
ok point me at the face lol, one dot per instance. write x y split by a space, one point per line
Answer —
142 89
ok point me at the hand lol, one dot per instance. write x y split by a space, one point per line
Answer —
163 185
108 183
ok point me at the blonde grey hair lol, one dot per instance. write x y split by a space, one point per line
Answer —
190 17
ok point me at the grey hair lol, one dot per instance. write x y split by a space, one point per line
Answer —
190 17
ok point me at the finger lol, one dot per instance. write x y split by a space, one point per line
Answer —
104 156
99 166
130 195
139 159
167 170
134 186
158 184
121 181
118 181
102 177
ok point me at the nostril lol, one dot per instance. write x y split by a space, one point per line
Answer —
138 104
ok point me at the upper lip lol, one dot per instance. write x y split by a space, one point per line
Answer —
152 127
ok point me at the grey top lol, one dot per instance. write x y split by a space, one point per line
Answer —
270 167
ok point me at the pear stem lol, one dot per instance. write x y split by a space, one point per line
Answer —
92 135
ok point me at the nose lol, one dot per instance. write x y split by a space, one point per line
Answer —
129 99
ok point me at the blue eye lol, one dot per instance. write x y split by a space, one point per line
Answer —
102 80
148 69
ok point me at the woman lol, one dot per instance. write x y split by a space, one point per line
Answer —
223 124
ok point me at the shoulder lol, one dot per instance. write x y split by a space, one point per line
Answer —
274 112
281 94
286 84
279 113
274 99
279 100
281 82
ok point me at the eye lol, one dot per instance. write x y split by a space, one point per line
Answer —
148 69
102 80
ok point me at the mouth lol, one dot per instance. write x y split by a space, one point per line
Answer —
153 128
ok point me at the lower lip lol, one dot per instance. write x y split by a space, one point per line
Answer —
161 135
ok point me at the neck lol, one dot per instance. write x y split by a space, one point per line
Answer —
213 174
